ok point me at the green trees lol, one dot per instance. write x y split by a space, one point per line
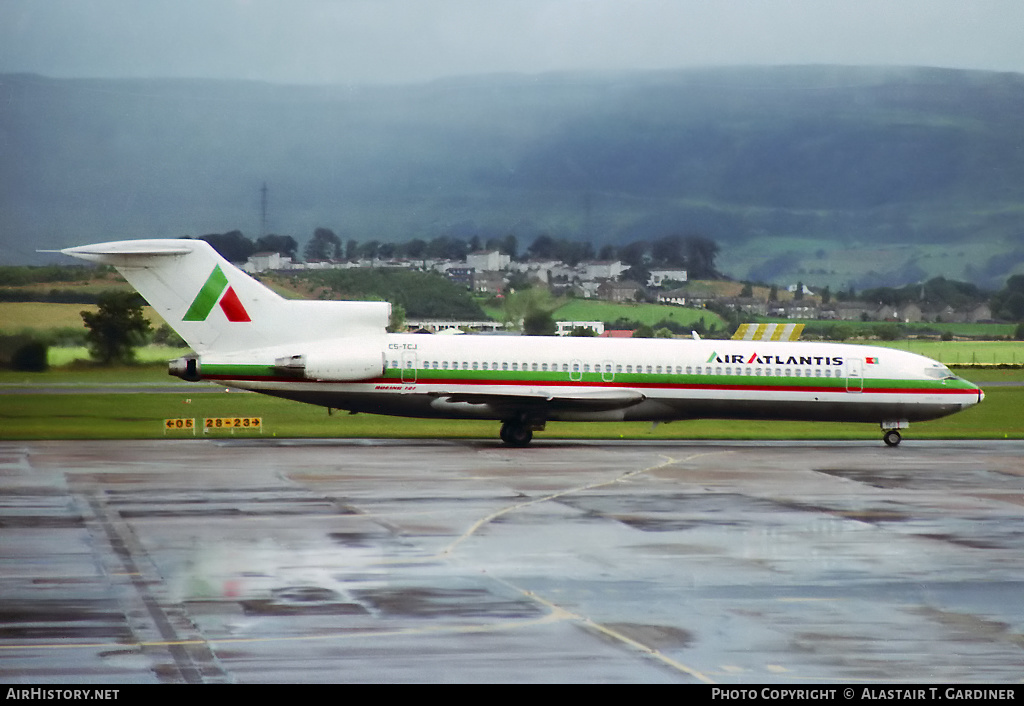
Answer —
116 328
234 246
539 322
1008 303
324 245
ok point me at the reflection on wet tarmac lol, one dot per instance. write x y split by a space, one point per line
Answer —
289 561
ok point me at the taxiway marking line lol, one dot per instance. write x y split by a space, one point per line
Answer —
475 527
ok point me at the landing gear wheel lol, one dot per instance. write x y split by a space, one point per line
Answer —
518 435
892 438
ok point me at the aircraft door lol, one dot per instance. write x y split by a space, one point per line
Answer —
607 371
575 370
410 365
854 375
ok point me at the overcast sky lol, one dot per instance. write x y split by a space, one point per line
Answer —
378 41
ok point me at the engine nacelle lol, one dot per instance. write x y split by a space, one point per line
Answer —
351 362
340 360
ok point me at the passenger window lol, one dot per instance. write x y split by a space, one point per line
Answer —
544 367
629 368
504 366
476 365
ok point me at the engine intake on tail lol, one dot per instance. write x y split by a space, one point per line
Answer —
186 368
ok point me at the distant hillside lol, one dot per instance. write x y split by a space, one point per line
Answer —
795 171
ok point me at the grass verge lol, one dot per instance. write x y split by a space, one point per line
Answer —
140 416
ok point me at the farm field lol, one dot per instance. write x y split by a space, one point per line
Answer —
961 352
17 317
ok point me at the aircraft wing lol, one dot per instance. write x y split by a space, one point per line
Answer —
539 401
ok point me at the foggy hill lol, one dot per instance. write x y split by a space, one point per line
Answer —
832 154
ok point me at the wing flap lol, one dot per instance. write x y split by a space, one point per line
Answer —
539 401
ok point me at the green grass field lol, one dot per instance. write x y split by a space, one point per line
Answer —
597 310
650 314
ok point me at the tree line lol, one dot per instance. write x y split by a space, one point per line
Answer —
691 251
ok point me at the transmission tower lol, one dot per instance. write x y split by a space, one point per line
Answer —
263 210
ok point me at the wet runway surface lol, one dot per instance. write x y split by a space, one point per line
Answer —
389 561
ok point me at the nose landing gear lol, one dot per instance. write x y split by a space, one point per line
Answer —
892 438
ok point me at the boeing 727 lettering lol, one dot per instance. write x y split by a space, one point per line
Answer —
339 355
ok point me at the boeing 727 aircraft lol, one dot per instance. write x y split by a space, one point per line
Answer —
339 355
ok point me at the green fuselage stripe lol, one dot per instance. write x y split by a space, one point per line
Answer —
500 377
207 298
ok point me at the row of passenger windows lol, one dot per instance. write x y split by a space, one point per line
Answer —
607 368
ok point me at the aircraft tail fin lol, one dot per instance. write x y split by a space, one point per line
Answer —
215 306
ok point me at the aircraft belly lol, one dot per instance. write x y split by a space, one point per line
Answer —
834 408
656 405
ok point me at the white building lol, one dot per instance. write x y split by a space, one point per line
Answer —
566 327
659 276
262 261
602 269
487 260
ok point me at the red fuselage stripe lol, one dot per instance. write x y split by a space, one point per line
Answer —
643 385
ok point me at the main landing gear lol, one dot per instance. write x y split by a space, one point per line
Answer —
519 432
516 434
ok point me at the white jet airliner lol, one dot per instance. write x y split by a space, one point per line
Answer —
339 355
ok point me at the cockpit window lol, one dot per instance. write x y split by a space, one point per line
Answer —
939 372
